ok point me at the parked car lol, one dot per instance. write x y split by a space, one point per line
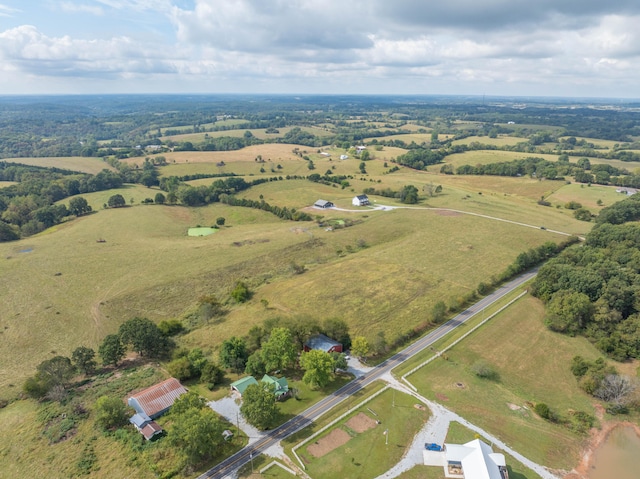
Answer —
432 446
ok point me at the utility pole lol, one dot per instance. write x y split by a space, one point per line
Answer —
251 457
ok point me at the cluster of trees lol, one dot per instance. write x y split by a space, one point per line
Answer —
328 179
602 381
408 194
420 158
593 290
28 207
276 344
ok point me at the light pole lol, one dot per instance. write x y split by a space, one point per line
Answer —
386 437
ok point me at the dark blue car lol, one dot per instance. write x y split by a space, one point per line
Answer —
432 446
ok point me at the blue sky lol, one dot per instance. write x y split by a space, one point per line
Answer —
583 48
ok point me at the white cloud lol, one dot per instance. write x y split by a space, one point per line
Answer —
71 7
26 49
6 11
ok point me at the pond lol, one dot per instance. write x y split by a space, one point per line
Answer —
618 457
201 231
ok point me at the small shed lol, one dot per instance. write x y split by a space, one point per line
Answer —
242 384
360 200
157 400
323 204
344 157
323 343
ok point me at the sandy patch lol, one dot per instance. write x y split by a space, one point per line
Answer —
441 397
361 423
333 440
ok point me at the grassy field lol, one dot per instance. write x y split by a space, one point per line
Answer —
62 289
533 366
501 140
485 157
4 184
257 132
586 195
366 454
74 163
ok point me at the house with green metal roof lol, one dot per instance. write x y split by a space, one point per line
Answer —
281 386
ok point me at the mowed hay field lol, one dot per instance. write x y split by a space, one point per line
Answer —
533 366
74 163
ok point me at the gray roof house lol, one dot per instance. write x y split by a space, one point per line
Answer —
323 204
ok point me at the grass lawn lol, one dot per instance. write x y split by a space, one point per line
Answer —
73 163
533 366
365 454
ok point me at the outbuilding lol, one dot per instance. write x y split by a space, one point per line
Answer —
323 204
323 343
157 400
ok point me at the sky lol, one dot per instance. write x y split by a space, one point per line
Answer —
559 48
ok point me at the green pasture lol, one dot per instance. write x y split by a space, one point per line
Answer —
533 366
485 157
66 290
632 166
418 138
366 454
458 434
501 140
129 192
391 284
586 195
74 163
4 184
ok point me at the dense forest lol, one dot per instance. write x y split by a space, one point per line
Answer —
594 289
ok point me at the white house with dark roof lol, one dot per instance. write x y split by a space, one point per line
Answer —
360 200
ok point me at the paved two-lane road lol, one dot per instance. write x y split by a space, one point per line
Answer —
227 467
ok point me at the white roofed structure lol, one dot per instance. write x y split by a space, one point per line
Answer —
474 460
